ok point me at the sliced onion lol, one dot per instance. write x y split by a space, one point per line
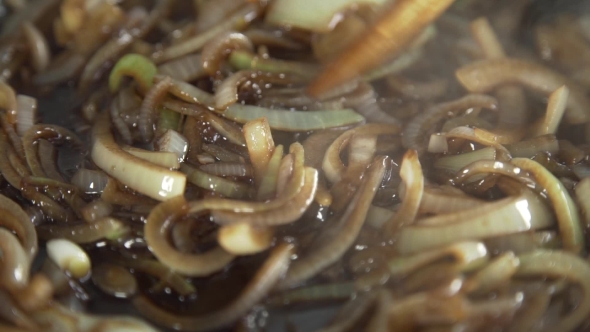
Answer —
40 54
555 109
227 92
507 216
90 181
153 97
244 239
161 158
311 15
416 130
467 256
214 183
438 144
220 46
173 141
438 201
332 165
269 183
338 238
105 228
560 264
26 116
187 92
96 210
229 169
240 19
289 212
582 192
455 163
529 148
293 121
69 257
8 102
260 146
16 262
185 69
413 178
149 179
378 216
240 59
568 217
494 275
483 76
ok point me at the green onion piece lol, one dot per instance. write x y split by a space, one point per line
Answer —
241 59
138 66
291 120
214 183
167 119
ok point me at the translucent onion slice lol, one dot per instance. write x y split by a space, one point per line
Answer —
413 178
466 256
188 92
507 216
511 98
268 184
438 143
478 136
184 69
568 217
377 216
160 158
529 148
69 257
217 48
18 221
260 146
90 181
240 59
174 142
416 129
244 239
152 99
437 202
582 194
291 211
261 284
455 163
8 102
105 228
560 264
151 180
230 169
494 275
225 187
337 240
293 121
40 53
555 109
483 76
332 165
310 15
16 264
237 21
156 230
